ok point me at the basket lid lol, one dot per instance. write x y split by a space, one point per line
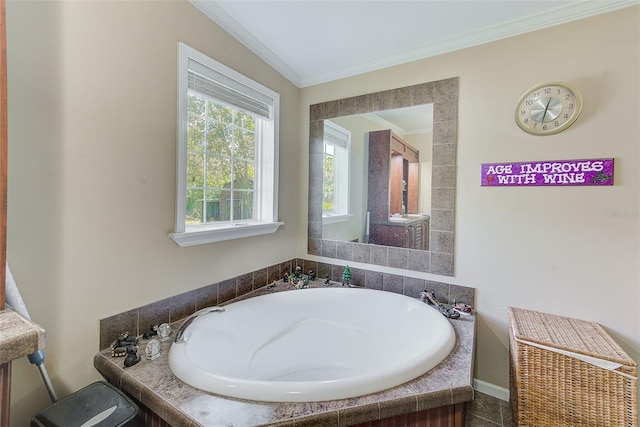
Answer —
565 333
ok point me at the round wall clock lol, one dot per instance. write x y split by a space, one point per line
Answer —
548 108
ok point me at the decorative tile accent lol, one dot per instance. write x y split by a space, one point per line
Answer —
401 98
443 198
347 107
244 283
443 176
314 246
398 258
422 94
373 280
444 155
260 278
442 219
378 255
273 273
420 261
392 283
180 306
329 248
361 252
344 250
412 286
226 290
442 264
441 241
206 296
324 270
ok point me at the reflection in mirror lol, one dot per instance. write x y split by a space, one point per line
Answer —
336 167
404 202
398 208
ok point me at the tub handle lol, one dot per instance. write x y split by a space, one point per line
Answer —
180 338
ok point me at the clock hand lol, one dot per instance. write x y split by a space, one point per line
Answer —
545 110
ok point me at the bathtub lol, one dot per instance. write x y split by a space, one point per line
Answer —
310 345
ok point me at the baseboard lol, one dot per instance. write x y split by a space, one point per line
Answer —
491 389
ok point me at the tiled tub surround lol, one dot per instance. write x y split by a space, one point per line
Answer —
155 387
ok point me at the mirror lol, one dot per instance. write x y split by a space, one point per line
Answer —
424 225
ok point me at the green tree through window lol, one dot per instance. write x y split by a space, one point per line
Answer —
221 147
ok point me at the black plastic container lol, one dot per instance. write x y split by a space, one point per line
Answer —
99 404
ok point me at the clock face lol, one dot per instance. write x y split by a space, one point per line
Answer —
548 108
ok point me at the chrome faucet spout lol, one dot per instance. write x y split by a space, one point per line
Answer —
180 337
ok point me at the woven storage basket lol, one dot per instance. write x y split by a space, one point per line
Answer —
550 384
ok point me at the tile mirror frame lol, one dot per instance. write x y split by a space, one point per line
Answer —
439 259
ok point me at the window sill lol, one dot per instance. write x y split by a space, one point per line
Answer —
201 235
335 218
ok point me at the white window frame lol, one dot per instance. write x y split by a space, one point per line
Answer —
266 179
340 138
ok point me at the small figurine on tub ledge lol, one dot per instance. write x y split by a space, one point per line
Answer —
121 344
153 330
327 281
132 356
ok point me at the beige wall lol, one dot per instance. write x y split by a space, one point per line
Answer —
92 129
565 250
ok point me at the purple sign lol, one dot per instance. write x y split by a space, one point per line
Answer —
548 172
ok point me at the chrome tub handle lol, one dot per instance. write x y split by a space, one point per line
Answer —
180 338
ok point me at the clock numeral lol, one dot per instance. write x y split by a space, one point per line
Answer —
523 112
547 90
571 106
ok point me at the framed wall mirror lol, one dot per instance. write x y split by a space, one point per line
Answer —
382 177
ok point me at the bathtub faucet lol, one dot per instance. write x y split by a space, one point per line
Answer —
430 298
180 338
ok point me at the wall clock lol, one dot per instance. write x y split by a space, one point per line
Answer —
548 108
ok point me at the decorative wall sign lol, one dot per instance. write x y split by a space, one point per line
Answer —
548 172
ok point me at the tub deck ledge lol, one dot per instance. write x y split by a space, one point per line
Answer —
153 385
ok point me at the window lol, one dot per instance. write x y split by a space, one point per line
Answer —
227 153
335 190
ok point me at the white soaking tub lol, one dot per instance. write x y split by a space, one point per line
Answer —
310 345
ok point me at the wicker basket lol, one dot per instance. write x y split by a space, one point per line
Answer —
557 378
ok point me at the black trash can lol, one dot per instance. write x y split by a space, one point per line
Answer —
99 404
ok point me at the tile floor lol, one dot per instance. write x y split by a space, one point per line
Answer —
487 411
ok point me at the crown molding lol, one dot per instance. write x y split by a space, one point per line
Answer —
548 18
237 31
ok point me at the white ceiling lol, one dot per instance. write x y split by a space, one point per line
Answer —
316 41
